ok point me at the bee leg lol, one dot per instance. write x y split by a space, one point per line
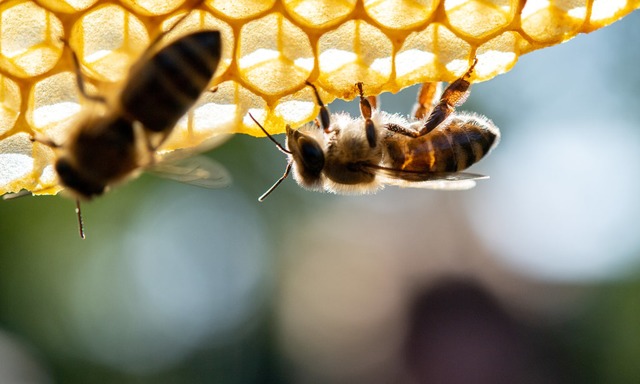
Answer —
80 77
325 121
163 138
162 34
365 110
44 141
455 95
150 146
427 99
373 100
153 145
402 130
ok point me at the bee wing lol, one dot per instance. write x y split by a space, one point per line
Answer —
441 184
450 181
198 170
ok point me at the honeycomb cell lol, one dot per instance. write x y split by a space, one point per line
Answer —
202 20
67 6
604 12
25 165
400 14
218 113
54 105
553 20
356 51
497 55
107 40
16 161
10 104
44 174
240 9
152 7
30 36
296 109
434 54
206 121
479 18
280 60
319 13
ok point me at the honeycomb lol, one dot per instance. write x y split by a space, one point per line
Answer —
270 49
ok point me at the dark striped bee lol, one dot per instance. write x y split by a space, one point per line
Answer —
341 154
119 136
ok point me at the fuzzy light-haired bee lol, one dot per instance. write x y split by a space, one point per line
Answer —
346 155
119 136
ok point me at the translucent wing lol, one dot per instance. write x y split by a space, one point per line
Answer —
450 181
441 184
200 171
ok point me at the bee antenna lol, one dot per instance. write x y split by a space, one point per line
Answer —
280 147
80 222
280 180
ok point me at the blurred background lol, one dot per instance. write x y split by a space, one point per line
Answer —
531 277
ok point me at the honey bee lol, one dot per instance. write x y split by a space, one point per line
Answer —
119 138
346 155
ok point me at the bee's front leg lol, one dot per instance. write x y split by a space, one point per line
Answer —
365 110
324 117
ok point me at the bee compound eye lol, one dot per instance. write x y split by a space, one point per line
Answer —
312 155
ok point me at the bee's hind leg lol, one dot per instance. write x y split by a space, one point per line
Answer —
455 95
365 110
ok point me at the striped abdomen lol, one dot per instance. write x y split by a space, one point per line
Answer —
161 89
452 147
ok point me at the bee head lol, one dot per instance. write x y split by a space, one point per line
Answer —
80 185
308 156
